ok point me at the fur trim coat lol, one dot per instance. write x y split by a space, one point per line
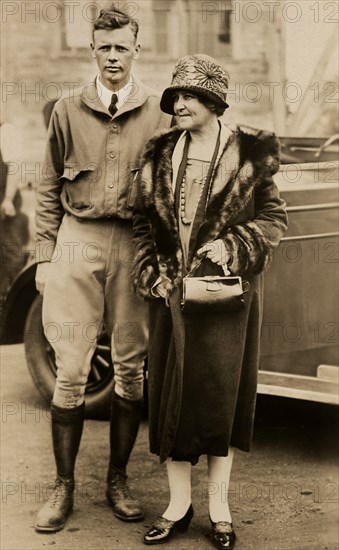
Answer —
203 368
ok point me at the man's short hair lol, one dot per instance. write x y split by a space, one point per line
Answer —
114 18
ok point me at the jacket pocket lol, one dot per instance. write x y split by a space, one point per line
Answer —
78 186
133 188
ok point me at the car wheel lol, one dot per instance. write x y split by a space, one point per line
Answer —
41 364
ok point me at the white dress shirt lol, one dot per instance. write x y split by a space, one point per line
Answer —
106 95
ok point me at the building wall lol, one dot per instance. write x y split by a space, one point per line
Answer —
45 52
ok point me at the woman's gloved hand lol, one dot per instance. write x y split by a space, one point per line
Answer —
217 252
160 287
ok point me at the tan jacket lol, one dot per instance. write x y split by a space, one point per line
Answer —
92 159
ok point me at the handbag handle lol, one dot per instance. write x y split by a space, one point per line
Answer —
225 270
199 262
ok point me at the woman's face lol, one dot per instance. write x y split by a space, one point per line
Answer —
191 113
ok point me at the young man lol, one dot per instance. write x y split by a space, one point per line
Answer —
84 250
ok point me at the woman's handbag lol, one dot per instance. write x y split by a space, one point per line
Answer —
213 293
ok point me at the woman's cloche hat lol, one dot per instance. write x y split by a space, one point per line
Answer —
198 73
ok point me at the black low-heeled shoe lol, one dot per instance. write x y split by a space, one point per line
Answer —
163 529
222 535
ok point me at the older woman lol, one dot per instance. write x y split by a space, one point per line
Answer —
207 204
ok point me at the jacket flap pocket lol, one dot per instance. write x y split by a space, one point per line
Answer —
71 171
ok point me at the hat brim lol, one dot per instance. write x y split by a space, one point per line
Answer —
167 99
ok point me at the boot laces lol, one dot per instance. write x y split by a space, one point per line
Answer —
61 490
119 483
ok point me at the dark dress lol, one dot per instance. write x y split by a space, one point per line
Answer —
203 368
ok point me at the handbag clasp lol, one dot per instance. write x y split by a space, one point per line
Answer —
213 286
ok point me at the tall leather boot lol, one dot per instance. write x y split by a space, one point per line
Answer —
67 427
125 420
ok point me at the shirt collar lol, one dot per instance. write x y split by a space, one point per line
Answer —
105 94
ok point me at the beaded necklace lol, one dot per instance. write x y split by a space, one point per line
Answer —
200 211
183 216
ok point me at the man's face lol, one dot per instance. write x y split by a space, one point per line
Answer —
115 51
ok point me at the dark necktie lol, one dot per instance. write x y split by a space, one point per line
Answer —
113 106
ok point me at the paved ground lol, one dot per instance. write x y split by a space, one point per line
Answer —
284 494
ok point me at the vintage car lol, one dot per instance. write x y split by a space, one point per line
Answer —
299 353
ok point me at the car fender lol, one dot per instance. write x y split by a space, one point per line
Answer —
17 304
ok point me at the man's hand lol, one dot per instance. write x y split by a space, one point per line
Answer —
41 276
7 209
216 251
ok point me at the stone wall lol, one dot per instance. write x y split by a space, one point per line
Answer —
36 67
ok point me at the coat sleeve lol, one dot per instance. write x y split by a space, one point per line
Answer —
251 244
49 209
145 263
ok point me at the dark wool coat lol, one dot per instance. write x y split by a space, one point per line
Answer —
203 368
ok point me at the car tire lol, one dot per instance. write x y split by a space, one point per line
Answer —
41 364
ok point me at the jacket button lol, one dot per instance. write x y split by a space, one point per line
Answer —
111 185
112 154
115 126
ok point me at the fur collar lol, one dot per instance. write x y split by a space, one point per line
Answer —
245 158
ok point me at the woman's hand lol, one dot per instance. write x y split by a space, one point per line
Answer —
160 287
216 251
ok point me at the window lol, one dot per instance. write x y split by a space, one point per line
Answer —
76 25
225 27
161 31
